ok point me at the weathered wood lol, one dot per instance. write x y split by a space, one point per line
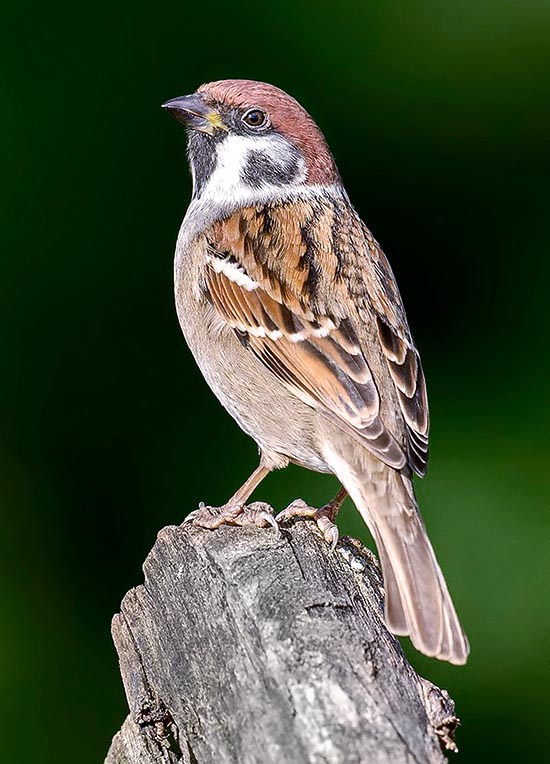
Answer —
246 648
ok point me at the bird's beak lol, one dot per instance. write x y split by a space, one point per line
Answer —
193 111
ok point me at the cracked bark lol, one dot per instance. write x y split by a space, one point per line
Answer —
246 648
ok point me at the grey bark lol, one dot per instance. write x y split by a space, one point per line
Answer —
245 648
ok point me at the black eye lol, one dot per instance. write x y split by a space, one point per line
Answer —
255 118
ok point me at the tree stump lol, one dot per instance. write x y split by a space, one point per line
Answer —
246 647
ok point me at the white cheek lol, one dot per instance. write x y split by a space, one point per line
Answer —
225 185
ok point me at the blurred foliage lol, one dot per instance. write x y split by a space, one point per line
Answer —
439 117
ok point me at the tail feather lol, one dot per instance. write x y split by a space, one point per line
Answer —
418 603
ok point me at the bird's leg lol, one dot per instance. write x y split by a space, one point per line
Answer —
324 517
235 512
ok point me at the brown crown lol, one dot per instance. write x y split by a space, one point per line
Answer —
286 115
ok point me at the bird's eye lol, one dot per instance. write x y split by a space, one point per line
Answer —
255 118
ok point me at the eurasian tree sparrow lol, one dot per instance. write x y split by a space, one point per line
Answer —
293 315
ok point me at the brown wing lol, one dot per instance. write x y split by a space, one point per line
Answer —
295 318
402 357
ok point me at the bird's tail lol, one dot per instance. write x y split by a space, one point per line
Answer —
418 603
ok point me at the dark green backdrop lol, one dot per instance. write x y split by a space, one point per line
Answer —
439 118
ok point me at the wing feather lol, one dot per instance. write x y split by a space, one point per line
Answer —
309 358
310 326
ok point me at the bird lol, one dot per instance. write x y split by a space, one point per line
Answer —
292 313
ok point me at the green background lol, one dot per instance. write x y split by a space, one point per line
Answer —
439 118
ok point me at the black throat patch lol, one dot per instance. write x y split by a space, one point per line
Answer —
201 150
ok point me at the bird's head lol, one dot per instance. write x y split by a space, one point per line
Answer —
251 141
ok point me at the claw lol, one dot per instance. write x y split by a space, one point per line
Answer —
332 537
202 508
324 518
191 516
296 508
258 514
268 517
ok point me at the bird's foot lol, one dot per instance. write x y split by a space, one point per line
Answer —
324 517
258 514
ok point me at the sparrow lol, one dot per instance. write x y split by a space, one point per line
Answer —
293 315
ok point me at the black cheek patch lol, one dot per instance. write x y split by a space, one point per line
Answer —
261 169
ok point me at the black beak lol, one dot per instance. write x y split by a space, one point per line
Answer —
195 113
